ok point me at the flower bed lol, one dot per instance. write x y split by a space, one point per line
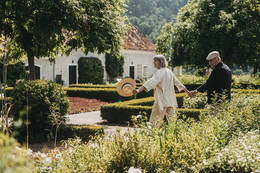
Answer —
79 105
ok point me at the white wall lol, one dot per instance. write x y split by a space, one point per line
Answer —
137 58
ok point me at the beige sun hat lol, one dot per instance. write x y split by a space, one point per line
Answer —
125 87
212 55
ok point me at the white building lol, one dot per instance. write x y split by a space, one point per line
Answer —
138 52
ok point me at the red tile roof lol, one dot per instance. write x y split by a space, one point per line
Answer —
134 39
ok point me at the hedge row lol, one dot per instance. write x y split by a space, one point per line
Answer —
111 95
83 132
91 86
122 112
104 94
96 86
189 86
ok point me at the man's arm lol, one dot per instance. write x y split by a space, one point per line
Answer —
210 83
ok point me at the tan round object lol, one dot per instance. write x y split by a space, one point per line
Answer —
125 87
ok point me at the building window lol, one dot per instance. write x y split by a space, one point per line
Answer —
139 71
145 71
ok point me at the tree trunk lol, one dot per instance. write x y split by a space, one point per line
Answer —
32 75
5 74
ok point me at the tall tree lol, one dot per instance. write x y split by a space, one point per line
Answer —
44 28
150 15
114 65
232 27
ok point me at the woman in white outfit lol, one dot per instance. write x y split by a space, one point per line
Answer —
163 81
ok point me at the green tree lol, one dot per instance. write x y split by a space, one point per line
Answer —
232 27
44 28
114 65
91 70
150 15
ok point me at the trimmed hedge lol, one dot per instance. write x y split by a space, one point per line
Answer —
83 132
122 112
91 70
104 94
36 99
91 86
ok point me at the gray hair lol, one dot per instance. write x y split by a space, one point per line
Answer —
161 59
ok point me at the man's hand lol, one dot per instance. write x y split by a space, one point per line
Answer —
193 93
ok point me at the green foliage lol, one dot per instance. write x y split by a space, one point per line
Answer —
91 86
14 72
198 102
13 158
240 155
85 133
45 28
90 70
37 99
122 112
228 26
186 146
114 65
102 93
164 40
150 15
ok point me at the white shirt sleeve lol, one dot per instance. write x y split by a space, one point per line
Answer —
152 82
178 84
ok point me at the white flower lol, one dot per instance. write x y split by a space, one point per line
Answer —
205 162
29 151
47 160
42 155
134 170
58 155
18 148
138 116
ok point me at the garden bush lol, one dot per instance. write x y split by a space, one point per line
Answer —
90 70
240 155
37 99
14 72
104 94
12 158
85 133
183 147
122 112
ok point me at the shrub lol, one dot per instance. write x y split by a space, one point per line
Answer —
85 133
240 155
123 111
90 70
198 102
38 97
183 147
114 65
14 72
13 158
104 94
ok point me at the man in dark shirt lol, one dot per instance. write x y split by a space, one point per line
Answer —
219 81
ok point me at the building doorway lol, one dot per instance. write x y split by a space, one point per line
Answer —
37 71
72 74
132 72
